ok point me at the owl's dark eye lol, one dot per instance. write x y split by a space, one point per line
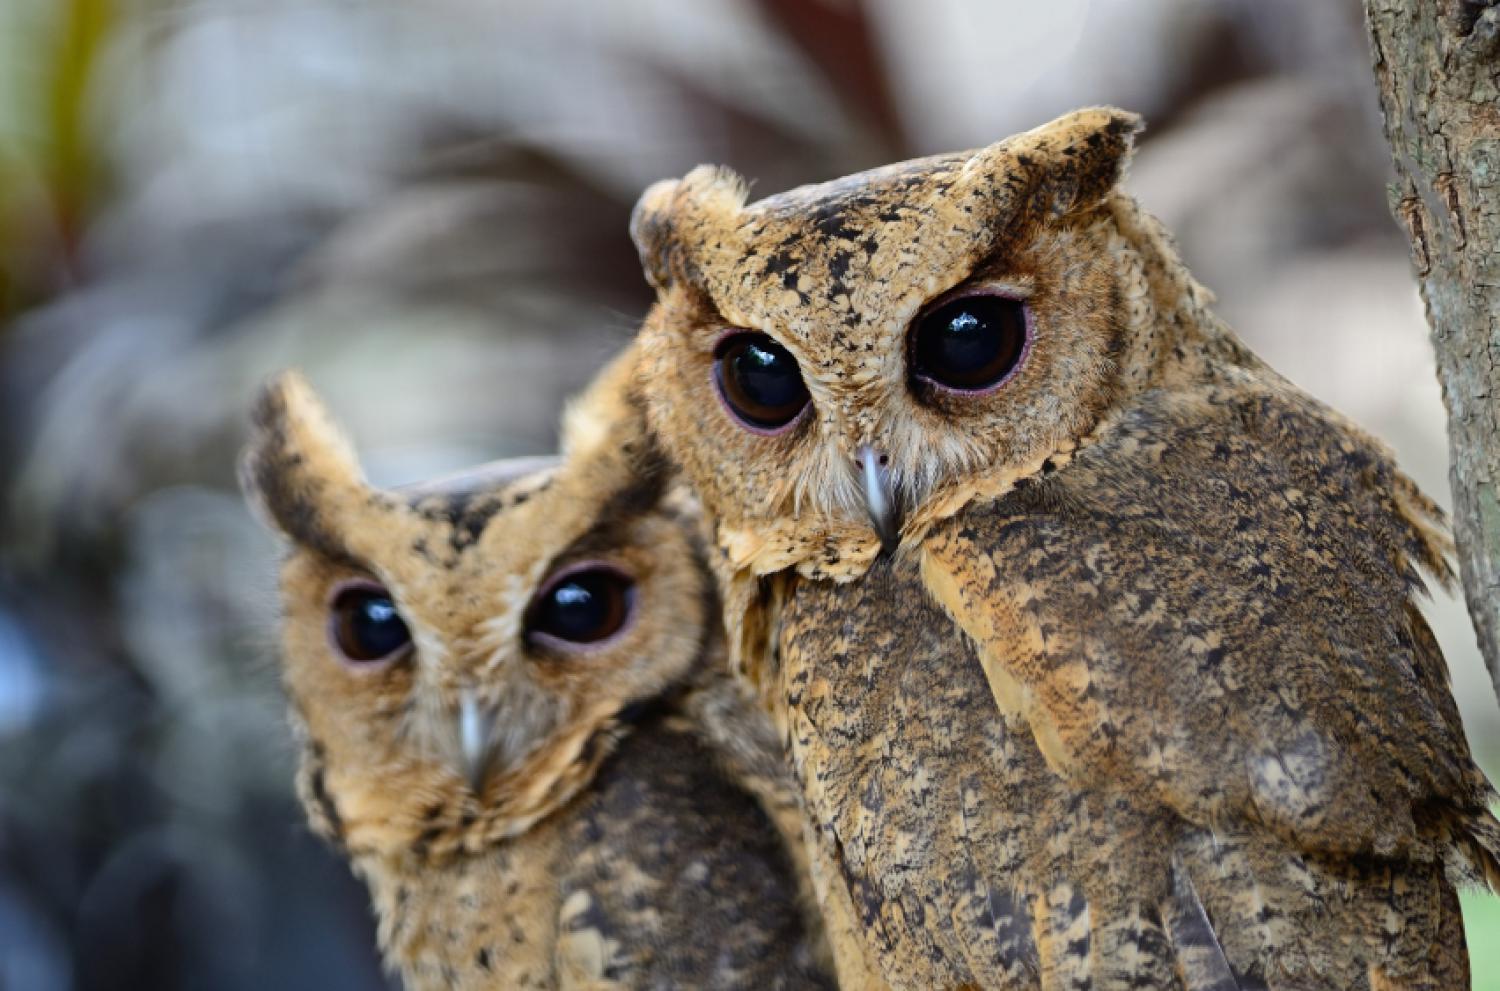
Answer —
969 344
584 606
760 381
365 626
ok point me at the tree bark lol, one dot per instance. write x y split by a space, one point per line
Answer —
1438 66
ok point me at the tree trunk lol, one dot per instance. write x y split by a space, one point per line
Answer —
1438 66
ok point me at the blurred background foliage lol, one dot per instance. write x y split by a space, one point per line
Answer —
424 205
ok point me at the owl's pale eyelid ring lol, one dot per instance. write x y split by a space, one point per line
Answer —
558 644
963 292
713 375
361 668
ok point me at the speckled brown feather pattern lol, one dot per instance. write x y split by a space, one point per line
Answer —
636 827
1143 697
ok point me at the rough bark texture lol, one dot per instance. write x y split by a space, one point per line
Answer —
1438 66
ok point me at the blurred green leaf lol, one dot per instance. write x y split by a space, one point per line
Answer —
73 158
51 166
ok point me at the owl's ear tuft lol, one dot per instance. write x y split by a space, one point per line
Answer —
607 444
299 471
598 418
1067 164
672 215
651 230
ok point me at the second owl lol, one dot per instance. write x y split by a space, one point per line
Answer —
515 719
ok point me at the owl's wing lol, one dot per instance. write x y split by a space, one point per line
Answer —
674 877
1213 605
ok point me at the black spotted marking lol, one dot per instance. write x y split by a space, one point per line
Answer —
643 711
466 514
838 271
648 484
831 222
482 959
789 280
830 202
317 790
468 501
780 263
423 843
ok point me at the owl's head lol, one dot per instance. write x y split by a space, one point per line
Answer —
461 655
840 365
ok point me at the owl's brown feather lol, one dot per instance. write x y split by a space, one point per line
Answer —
1222 652
1141 696
1238 644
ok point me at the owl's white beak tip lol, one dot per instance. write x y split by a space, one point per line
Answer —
476 724
880 496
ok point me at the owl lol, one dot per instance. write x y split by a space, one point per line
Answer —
1093 641
516 722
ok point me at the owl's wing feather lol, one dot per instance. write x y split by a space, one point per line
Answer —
993 919
1213 605
647 903
1209 616
1201 958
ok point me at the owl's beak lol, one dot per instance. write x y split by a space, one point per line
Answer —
880 496
476 724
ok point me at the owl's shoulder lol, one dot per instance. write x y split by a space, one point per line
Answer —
1248 442
1219 590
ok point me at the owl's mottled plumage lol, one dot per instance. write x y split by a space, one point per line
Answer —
1140 696
630 824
